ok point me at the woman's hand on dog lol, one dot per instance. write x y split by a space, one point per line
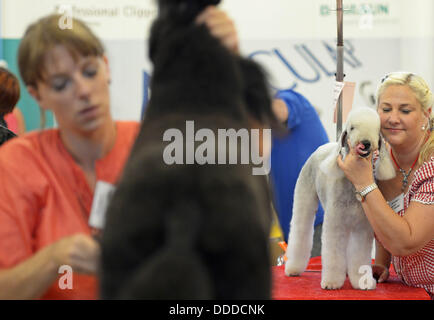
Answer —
357 169
221 26
380 273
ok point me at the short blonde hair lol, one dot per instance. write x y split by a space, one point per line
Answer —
423 95
43 35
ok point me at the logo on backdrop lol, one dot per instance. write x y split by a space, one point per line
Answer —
315 65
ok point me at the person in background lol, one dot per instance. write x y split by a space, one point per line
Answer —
15 121
290 152
49 177
9 96
401 210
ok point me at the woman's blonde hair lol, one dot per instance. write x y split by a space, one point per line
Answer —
45 34
423 95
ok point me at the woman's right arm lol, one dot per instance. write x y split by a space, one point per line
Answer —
31 278
24 273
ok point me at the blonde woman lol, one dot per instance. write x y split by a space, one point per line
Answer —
401 210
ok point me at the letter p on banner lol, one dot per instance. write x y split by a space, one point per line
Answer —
65 281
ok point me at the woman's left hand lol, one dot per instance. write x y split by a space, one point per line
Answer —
358 170
221 26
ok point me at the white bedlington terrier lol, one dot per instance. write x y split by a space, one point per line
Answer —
347 236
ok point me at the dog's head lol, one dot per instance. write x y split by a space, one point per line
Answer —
361 131
194 72
183 10
173 14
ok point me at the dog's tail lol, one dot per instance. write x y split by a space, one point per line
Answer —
175 271
300 238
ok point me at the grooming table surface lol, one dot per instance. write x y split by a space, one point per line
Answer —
308 287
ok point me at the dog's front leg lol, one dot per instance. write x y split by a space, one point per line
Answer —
333 252
359 256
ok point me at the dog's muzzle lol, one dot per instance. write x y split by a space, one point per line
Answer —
363 148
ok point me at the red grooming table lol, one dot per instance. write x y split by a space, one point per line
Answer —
308 287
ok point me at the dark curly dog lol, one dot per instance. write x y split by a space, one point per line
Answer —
190 231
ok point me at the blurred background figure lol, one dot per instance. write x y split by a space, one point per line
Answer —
9 96
15 121
290 152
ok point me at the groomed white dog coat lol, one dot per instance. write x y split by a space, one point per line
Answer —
347 236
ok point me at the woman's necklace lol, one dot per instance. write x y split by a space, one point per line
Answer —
404 174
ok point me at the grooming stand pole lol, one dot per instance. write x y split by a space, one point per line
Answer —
340 64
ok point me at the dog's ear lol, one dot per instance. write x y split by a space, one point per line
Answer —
384 169
329 166
343 145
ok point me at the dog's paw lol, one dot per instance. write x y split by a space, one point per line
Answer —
371 286
332 283
292 269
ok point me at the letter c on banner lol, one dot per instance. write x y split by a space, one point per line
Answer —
268 53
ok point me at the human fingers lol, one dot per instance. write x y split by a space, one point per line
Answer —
227 35
212 15
86 256
384 276
220 26
340 162
377 271
203 16
380 273
79 251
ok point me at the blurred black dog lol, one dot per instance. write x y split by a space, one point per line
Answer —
190 231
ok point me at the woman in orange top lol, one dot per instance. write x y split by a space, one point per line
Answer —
48 177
